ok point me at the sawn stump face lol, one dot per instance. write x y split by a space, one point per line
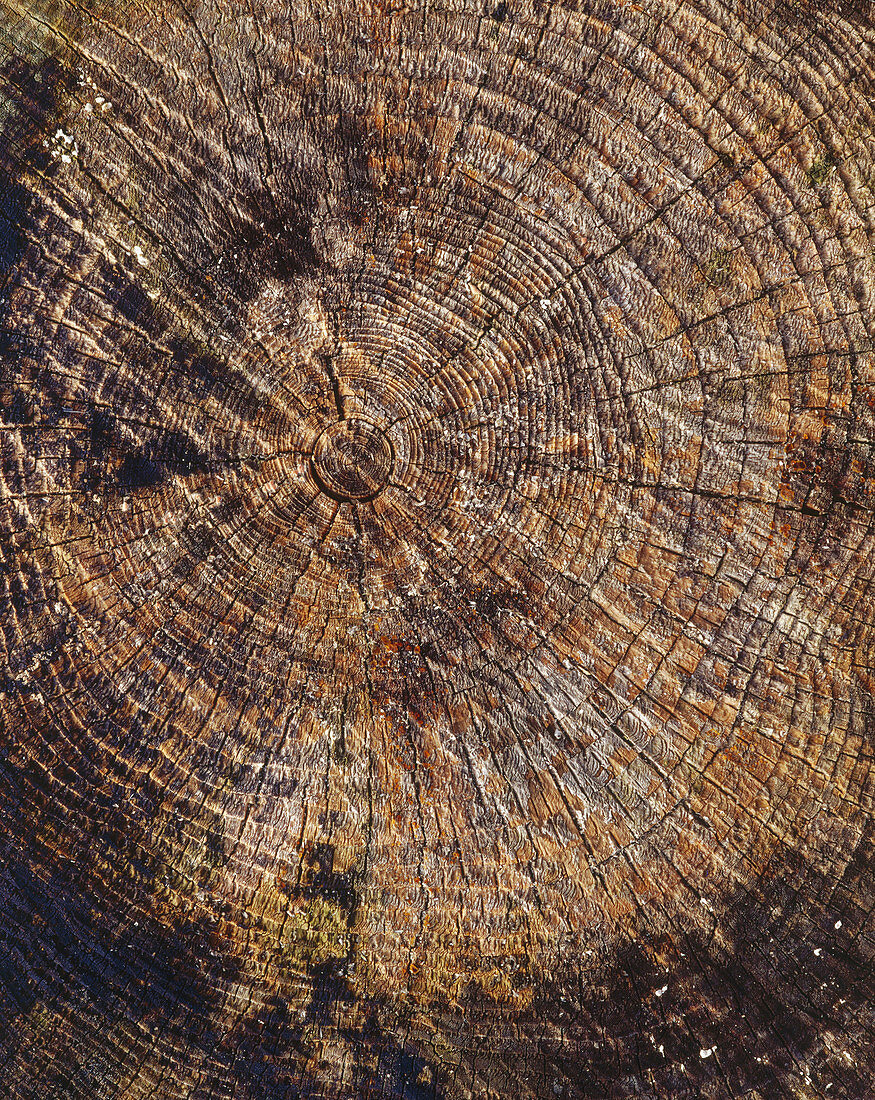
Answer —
436 549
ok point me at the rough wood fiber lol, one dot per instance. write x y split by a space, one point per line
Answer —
436 549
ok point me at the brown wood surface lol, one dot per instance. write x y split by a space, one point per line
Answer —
436 549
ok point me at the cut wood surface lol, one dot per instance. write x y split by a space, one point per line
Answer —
436 549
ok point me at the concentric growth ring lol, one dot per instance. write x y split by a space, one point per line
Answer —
352 460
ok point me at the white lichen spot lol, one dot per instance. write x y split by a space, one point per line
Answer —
837 924
818 951
706 1052
62 145
659 992
140 256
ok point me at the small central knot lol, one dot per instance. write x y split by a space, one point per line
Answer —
352 460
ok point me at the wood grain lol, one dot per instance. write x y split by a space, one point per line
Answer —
436 549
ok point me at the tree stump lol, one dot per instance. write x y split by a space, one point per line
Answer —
436 549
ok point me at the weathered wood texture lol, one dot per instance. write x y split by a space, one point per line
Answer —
436 549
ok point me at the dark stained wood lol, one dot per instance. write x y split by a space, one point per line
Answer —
436 549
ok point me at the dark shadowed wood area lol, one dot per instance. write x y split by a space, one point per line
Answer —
436 550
